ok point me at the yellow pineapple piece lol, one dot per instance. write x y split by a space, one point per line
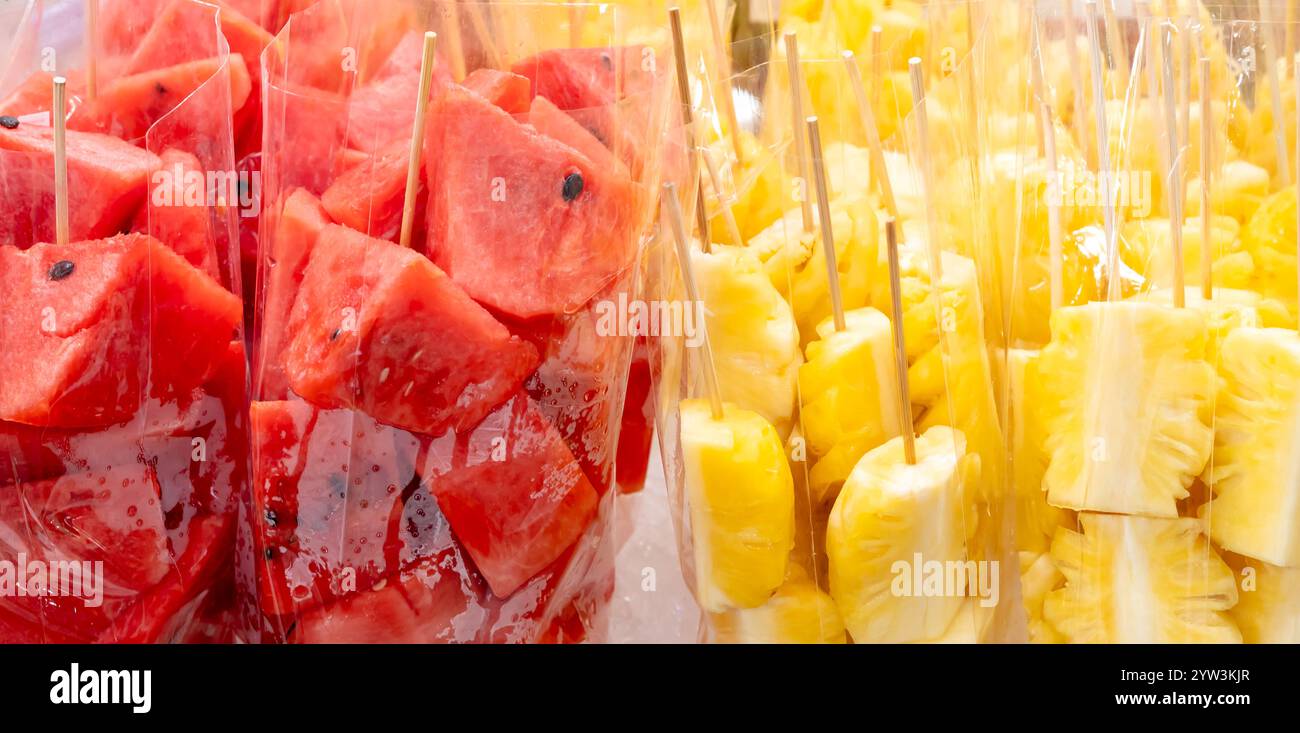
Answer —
1237 190
752 331
1228 310
1270 239
1268 609
849 392
753 189
1128 396
1150 240
966 626
1140 580
1036 520
1256 470
1261 141
1038 577
740 496
888 513
798 613
796 262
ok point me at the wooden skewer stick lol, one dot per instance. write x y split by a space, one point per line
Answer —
1076 74
59 115
824 215
722 61
927 172
728 216
1056 252
796 123
417 139
879 169
1185 88
705 350
1173 185
900 345
1103 156
1270 66
1039 87
92 49
877 59
688 122
1114 42
455 49
479 24
1207 170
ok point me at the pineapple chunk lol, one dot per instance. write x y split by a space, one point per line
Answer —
755 188
890 512
1256 470
1268 611
1128 400
965 627
752 331
796 262
1038 577
1140 580
1237 190
1228 310
741 505
1036 520
799 613
1150 240
1270 239
849 391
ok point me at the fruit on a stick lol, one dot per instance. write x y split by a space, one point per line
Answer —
1256 469
889 512
741 498
1129 396
798 613
752 332
1131 579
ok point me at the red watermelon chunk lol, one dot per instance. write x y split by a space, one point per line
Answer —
106 183
378 328
513 493
36 95
557 124
370 196
327 496
383 110
300 223
176 210
304 152
526 225
128 106
92 327
114 517
510 92
638 424
578 78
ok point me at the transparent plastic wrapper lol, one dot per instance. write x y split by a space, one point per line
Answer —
435 426
1154 383
799 517
122 431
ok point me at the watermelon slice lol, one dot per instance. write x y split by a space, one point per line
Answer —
376 327
581 78
302 152
74 327
557 124
636 436
526 225
35 95
515 497
300 222
187 31
510 92
369 197
128 106
176 211
106 183
327 496
122 23
383 111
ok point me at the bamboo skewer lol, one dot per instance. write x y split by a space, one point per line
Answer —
92 49
1076 75
1173 186
682 241
728 216
1269 63
879 169
900 345
1056 252
1038 85
59 115
417 139
688 122
877 58
824 214
722 61
797 117
484 35
927 172
455 48
1103 156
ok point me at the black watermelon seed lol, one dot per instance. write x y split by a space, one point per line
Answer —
270 553
572 186
604 59
8 122
159 88
334 335
61 269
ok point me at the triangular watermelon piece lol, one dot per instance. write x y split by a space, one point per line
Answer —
106 184
579 78
187 31
383 111
369 197
36 95
557 124
510 92
526 225
176 211
303 152
128 106
514 513
300 222
378 328
328 488
92 327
